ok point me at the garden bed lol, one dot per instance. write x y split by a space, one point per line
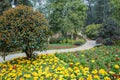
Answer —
97 63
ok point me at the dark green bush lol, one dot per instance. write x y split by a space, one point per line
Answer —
117 42
56 40
23 28
53 40
108 41
110 28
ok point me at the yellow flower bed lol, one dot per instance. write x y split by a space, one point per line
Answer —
48 67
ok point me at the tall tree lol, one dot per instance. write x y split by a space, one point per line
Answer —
90 12
102 10
4 5
115 5
67 15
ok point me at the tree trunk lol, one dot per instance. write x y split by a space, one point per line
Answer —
4 54
29 52
72 37
75 34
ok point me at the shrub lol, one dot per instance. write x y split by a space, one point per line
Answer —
110 28
108 41
53 40
99 40
117 42
23 28
79 42
93 30
56 40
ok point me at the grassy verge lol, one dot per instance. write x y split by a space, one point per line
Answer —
70 44
60 46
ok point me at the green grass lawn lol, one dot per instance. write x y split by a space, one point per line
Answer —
60 46
70 44
99 63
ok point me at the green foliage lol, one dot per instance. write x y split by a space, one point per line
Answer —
24 2
4 5
22 28
93 30
108 41
77 42
110 28
56 40
115 5
104 57
67 16
102 10
117 42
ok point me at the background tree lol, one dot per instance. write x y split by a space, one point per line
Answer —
4 5
90 12
102 10
67 16
23 28
23 2
115 5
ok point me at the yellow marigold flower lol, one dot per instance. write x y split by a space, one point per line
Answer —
27 75
7 78
77 71
61 78
55 75
77 63
117 66
70 69
96 77
42 78
48 75
19 73
111 72
81 78
72 76
86 69
75 68
94 71
35 74
13 74
35 78
89 77
81 67
118 79
21 78
47 68
102 71
92 61
83 55
66 74
107 78
85 72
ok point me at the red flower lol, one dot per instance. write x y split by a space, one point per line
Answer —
76 56
71 64
117 59
14 67
117 50
4 66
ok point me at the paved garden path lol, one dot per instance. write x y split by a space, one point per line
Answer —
89 44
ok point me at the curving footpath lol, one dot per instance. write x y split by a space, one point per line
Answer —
89 44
